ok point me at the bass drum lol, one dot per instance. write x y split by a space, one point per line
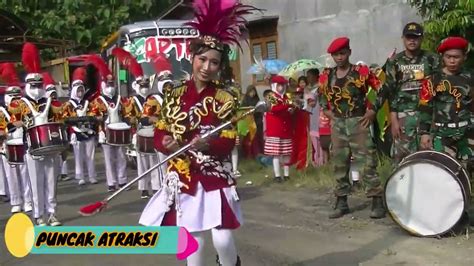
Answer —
428 193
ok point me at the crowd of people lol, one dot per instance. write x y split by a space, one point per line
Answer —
430 107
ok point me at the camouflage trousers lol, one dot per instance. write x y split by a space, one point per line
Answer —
457 143
349 137
408 141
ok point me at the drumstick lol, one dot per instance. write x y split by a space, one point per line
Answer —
96 207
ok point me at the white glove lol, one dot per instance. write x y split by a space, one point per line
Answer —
102 138
73 140
134 140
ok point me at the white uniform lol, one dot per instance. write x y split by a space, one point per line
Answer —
43 170
114 156
146 161
84 146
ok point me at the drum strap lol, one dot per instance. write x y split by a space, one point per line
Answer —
75 105
4 111
139 104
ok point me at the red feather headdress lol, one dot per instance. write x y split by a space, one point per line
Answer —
127 60
221 22
47 79
100 65
162 65
79 74
30 58
8 74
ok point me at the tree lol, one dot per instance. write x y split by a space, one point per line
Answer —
443 18
86 23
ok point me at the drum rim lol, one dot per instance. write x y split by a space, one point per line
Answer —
49 123
409 230
466 174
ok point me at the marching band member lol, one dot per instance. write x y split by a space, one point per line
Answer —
83 138
143 112
344 89
17 174
405 72
199 189
51 92
279 129
446 104
109 108
35 109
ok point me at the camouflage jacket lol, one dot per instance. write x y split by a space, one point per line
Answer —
404 76
348 96
446 99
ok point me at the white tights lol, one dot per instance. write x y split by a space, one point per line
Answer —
235 158
276 165
223 243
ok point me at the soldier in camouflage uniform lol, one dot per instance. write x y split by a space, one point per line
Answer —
344 100
446 105
405 71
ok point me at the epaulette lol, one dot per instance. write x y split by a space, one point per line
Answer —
15 106
223 96
176 90
152 101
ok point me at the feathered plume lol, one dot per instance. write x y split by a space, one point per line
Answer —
30 58
99 64
127 60
8 74
222 19
161 63
79 74
92 82
47 79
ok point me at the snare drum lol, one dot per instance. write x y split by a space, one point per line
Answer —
145 143
15 151
118 134
47 139
428 193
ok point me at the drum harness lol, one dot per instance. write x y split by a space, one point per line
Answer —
80 113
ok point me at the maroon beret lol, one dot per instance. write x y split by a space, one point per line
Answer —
453 43
338 44
279 80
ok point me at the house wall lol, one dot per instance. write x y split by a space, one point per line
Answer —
306 27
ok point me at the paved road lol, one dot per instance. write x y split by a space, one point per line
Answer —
283 227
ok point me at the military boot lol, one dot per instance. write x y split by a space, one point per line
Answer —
378 210
340 209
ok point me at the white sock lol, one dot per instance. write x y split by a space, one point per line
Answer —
235 158
197 258
276 166
225 246
286 168
64 168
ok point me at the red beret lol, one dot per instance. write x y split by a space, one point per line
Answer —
279 80
453 43
338 44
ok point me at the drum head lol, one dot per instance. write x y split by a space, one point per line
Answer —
118 126
424 198
17 141
146 132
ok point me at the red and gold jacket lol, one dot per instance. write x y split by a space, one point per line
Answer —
140 110
279 121
186 114
19 110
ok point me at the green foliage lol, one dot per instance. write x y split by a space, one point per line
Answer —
445 18
86 23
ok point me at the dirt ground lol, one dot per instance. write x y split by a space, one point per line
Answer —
283 226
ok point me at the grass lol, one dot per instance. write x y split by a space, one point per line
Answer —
311 177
